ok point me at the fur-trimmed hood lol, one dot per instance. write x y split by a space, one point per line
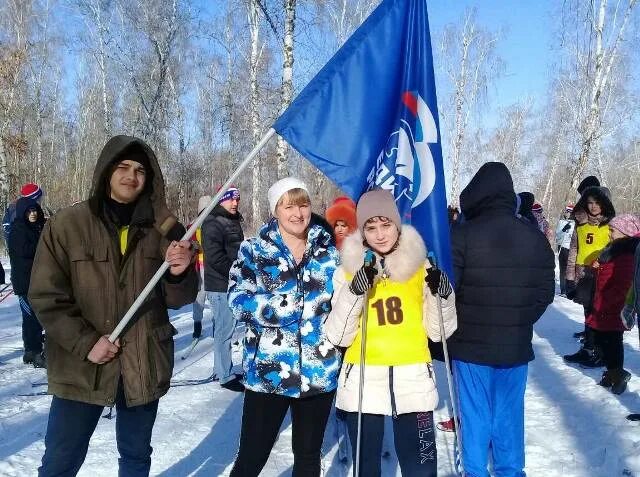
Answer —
400 264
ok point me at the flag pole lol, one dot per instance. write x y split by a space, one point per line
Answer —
189 233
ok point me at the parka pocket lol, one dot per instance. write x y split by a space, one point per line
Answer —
66 368
161 348
89 262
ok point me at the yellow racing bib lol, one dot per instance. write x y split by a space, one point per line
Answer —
395 334
591 240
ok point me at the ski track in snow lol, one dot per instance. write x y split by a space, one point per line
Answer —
574 428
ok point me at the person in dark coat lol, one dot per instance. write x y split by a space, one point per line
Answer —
221 238
27 191
504 281
93 260
23 240
525 202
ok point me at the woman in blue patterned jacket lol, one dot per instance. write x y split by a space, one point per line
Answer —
281 287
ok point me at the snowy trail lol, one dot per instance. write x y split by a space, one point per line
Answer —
574 428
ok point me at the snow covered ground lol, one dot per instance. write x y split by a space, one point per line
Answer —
573 426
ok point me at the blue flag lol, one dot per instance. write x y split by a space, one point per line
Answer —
369 119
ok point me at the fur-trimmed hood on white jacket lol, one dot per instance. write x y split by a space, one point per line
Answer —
401 264
388 390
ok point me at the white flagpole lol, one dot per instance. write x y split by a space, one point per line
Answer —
189 233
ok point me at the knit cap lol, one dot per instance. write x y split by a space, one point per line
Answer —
628 224
377 203
231 193
536 208
569 208
31 191
280 188
343 208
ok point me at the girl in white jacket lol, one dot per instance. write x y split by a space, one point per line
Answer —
402 314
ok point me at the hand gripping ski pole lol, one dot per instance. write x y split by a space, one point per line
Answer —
189 233
454 402
368 261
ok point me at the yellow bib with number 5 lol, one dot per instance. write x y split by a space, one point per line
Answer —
395 334
591 240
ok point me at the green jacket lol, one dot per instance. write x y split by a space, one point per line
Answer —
81 286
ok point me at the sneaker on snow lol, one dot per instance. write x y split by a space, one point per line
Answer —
40 361
234 385
620 380
634 417
447 426
27 357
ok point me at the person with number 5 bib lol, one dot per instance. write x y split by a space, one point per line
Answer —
401 291
592 214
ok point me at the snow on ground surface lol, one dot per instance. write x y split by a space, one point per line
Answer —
573 426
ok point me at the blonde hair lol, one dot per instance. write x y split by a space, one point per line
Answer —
295 196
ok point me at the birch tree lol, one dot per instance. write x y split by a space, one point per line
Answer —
287 79
470 62
597 45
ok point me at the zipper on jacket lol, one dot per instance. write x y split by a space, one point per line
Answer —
394 411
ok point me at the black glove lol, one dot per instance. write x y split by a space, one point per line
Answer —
438 282
571 289
363 279
566 227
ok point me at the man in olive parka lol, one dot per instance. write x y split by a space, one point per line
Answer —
92 261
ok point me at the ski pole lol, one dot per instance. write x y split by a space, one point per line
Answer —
368 260
452 395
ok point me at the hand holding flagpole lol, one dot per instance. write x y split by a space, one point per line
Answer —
189 233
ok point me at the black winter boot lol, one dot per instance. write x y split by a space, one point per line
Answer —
40 361
27 357
579 357
606 381
619 379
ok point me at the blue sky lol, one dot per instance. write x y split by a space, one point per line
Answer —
525 45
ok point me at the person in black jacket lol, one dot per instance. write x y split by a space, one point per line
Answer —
504 281
221 238
23 240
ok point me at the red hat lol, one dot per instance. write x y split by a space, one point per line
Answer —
343 208
31 191
536 207
569 208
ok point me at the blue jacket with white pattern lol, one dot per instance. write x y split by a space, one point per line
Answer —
285 307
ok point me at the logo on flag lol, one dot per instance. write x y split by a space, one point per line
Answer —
405 166
364 133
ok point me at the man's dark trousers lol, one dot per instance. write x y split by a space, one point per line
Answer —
71 424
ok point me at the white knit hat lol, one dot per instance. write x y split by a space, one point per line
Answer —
278 189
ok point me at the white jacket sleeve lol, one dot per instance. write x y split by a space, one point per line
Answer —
431 316
343 321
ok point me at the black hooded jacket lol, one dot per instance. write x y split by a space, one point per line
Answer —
23 242
221 238
503 273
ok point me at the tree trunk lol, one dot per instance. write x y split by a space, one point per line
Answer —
254 117
287 81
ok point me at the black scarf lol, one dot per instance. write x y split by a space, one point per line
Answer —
120 214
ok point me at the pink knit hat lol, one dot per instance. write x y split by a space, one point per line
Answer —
628 224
